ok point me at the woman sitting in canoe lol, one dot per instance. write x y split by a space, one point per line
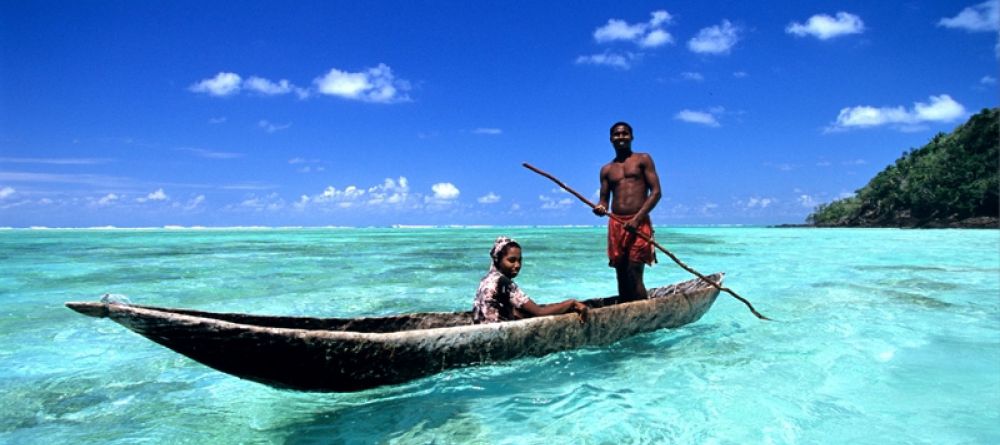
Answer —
500 299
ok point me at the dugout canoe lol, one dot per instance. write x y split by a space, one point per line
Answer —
352 354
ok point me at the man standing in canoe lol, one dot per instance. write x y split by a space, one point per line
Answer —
630 182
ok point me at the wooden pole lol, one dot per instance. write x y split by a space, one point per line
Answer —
647 238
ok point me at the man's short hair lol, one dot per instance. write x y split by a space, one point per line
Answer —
622 123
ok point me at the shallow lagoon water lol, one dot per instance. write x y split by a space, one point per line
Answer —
883 336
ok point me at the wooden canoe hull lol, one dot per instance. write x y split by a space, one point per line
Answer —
317 354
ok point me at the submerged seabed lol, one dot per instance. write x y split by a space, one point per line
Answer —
885 336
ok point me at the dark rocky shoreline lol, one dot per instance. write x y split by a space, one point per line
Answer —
979 222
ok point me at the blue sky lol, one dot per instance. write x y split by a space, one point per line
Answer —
139 114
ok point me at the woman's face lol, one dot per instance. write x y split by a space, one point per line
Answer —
510 262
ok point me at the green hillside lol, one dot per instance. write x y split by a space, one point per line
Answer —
952 181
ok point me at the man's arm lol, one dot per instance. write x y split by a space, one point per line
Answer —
602 205
653 183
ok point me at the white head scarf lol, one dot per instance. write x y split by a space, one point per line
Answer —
498 246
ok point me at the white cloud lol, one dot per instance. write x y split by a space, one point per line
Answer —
195 202
6 192
267 87
271 127
619 30
697 117
445 191
489 131
390 192
740 74
648 35
209 154
988 80
549 203
489 198
660 17
217 120
717 39
807 201
687 75
373 85
620 61
158 195
108 199
940 109
825 27
271 203
760 202
656 37
982 17
223 84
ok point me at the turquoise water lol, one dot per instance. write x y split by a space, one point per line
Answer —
884 337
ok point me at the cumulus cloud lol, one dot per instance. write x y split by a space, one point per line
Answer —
549 203
621 61
648 34
108 199
6 192
939 109
763 203
717 39
390 192
158 195
982 17
697 117
445 191
645 35
223 84
489 198
372 85
267 87
824 27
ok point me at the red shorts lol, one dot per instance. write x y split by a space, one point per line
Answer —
623 245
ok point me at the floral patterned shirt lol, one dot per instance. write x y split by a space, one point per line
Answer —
496 298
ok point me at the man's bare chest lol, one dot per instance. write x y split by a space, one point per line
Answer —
625 171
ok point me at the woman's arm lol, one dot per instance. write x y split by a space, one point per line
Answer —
571 305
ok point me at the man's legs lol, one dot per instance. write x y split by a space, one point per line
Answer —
630 283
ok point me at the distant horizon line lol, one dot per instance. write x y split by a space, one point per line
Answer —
390 226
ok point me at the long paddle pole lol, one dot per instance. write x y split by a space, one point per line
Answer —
647 238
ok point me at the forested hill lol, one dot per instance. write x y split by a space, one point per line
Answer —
952 181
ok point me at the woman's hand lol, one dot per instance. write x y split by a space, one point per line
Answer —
581 310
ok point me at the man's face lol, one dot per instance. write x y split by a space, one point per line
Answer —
621 138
